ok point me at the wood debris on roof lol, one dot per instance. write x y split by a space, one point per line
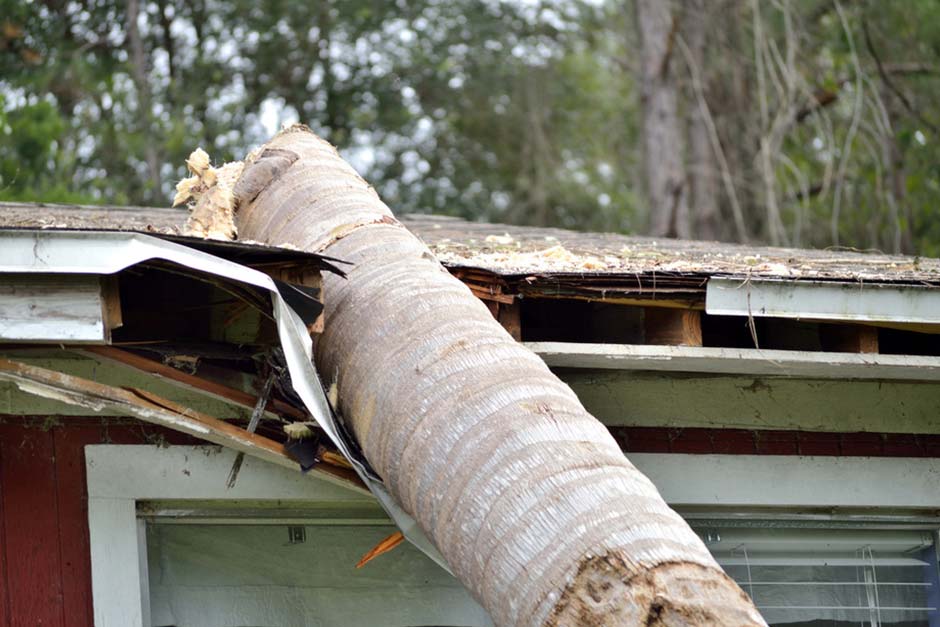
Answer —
517 250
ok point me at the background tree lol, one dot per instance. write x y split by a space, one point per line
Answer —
804 123
658 27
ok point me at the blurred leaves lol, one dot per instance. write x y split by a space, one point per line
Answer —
525 112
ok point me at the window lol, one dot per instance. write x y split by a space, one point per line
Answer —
831 577
295 575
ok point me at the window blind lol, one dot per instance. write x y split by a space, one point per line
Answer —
833 577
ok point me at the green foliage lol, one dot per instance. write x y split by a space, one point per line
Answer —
488 109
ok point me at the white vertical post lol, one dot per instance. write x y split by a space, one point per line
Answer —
115 562
143 565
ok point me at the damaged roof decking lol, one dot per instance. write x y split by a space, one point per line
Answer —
532 252
517 250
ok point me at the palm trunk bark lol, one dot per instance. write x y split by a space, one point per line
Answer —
527 496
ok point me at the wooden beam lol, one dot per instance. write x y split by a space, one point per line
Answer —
329 466
673 327
160 411
488 294
681 298
191 381
848 338
510 316
111 296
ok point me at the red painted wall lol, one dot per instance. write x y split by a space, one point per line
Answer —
45 569
698 441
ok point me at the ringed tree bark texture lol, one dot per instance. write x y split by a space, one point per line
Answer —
527 496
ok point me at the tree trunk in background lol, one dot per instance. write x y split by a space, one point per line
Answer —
657 22
703 173
142 84
527 496
897 201
732 106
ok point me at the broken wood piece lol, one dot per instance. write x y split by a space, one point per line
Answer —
252 426
157 410
673 327
848 338
384 546
334 471
487 293
211 388
336 459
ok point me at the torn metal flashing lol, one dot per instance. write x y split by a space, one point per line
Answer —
24 251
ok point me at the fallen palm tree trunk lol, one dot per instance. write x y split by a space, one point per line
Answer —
527 496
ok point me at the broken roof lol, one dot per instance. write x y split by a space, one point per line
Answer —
166 224
86 248
520 252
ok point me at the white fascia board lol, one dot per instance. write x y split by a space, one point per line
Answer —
783 481
199 473
738 361
57 308
822 300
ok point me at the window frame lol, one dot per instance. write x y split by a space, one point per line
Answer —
118 476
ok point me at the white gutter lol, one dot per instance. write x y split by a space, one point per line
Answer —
100 252
821 300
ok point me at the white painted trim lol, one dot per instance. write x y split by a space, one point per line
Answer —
146 472
144 570
115 563
120 475
822 300
784 481
743 361
50 308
